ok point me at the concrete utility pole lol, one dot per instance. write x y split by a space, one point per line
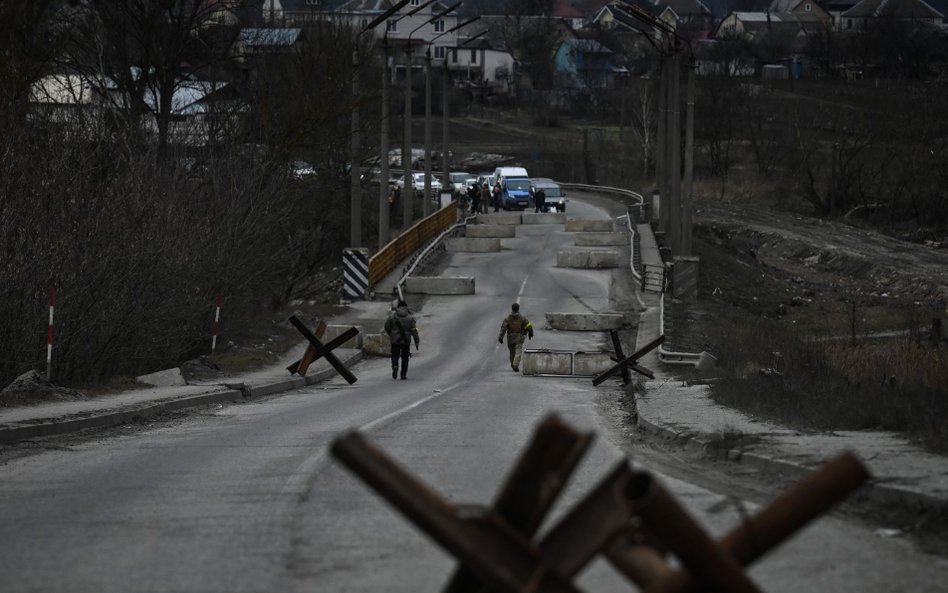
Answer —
674 155
426 197
687 205
661 146
445 154
355 170
408 192
383 152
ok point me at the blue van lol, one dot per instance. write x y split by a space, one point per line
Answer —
515 187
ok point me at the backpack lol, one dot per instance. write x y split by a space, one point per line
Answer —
514 324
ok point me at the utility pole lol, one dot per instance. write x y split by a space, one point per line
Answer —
674 155
383 152
426 197
687 206
355 169
408 192
661 152
445 154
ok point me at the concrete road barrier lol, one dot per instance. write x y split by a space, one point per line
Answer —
440 284
600 239
589 226
585 321
377 345
469 245
544 218
594 259
590 364
334 331
492 231
547 362
500 218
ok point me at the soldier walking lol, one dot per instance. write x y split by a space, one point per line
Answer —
400 327
515 326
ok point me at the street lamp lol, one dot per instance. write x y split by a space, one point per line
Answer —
384 140
444 154
355 165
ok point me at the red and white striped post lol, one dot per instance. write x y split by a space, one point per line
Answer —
49 334
216 329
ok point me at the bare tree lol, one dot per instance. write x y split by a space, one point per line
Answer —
644 120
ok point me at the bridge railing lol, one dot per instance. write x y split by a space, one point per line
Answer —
388 257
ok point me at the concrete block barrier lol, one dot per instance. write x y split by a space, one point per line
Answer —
594 259
585 321
590 364
589 226
334 331
600 239
440 285
491 231
377 345
547 362
544 217
506 218
165 378
468 245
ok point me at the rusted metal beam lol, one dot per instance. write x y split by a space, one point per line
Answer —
477 537
308 356
620 355
530 490
709 563
319 346
630 362
785 515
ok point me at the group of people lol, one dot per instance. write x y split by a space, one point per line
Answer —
402 329
482 197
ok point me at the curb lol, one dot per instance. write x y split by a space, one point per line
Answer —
872 492
58 426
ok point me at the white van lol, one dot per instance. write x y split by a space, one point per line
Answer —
501 173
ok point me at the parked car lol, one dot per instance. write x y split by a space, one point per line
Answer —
418 183
555 196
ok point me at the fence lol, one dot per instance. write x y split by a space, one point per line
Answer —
387 258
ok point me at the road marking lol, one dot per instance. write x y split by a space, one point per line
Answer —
370 425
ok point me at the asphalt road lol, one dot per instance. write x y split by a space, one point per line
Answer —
246 498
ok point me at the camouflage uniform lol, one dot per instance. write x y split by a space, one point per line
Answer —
515 326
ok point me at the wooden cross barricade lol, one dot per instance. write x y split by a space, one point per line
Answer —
630 362
317 349
629 518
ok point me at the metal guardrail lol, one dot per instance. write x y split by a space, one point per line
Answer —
410 241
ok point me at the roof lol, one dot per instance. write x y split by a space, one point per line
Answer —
684 8
904 9
783 5
269 37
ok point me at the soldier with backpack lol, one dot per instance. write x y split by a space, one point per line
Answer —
400 327
515 326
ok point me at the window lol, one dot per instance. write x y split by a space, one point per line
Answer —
439 26
454 56
473 56
807 7
849 23
439 52
415 2
391 26
363 23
